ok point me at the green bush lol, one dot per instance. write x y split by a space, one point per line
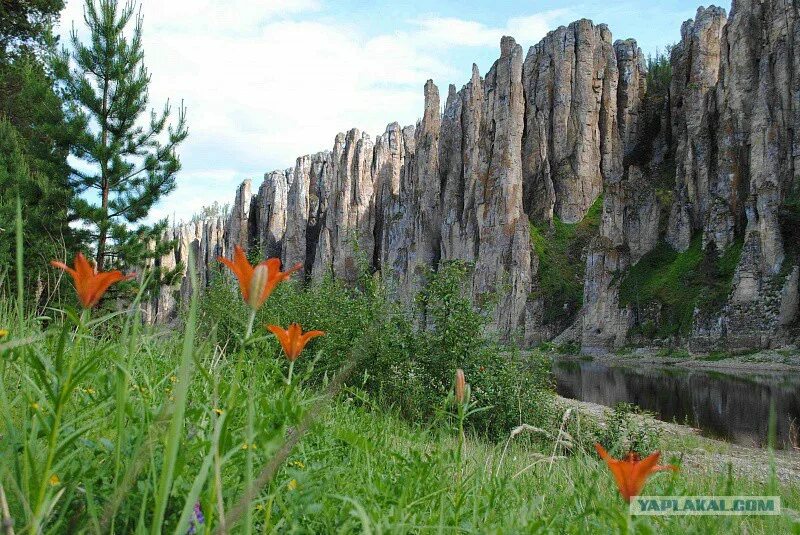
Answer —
406 360
626 430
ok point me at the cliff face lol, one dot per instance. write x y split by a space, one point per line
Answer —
572 140
707 169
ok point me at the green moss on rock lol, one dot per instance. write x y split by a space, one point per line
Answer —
679 282
562 262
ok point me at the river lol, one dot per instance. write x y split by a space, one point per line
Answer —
730 407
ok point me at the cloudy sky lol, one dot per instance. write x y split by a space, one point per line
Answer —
265 81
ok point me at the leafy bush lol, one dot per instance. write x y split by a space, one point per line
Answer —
400 364
626 431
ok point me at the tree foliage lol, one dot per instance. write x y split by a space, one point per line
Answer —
127 159
26 23
35 139
46 234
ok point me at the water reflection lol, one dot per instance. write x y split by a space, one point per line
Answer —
724 406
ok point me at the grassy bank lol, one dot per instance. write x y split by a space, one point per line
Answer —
149 423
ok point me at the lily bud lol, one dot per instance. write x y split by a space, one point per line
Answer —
255 293
461 386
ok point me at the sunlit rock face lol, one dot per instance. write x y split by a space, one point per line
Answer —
571 134
538 139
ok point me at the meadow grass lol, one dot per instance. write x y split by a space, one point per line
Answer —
156 421
113 426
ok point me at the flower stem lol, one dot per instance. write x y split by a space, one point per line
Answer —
250 321
291 369
61 401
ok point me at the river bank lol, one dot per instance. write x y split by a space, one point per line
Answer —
770 360
730 399
707 455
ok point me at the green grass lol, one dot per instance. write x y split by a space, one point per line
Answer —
678 283
111 426
360 468
562 266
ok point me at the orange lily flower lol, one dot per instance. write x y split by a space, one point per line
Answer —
292 339
257 283
89 284
631 473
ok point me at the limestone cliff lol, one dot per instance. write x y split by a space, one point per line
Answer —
695 169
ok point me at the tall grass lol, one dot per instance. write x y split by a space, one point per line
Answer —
359 468
112 426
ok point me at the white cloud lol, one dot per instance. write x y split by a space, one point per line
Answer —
452 32
265 82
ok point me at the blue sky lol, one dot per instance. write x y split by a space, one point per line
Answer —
266 81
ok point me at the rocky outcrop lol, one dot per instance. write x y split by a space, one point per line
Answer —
305 210
630 220
631 90
732 108
395 160
503 263
346 236
420 223
271 209
237 229
571 136
538 141
460 165
695 67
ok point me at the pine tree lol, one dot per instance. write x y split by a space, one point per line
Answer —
127 160
27 23
35 139
46 232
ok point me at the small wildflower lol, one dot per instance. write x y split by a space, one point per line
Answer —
297 464
631 472
3 333
256 283
218 411
90 391
292 485
54 480
198 519
173 379
259 507
244 446
35 406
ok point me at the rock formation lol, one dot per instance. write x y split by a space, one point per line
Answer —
572 140
538 140
695 72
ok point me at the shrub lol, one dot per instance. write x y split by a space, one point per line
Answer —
400 364
626 430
